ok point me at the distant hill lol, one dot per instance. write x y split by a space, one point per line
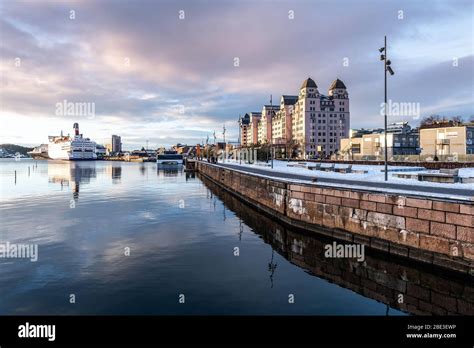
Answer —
12 149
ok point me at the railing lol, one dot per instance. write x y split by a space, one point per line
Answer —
409 158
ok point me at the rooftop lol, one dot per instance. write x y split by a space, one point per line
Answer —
289 99
337 84
309 82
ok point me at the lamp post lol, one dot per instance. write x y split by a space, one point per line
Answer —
272 152
240 139
387 67
225 146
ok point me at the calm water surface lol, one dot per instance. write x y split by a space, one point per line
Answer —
181 232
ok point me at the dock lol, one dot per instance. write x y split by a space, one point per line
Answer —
190 165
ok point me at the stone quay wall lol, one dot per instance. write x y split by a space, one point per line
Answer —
429 230
381 277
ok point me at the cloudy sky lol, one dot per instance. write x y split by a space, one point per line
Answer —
153 75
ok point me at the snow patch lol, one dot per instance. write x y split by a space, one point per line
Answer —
297 206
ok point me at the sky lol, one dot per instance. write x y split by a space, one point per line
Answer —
176 71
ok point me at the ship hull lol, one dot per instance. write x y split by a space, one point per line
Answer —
76 148
42 156
72 151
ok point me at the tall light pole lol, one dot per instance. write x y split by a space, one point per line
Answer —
240 127
225 147
272 153
240 139
387 67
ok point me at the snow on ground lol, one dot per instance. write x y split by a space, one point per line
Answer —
374 173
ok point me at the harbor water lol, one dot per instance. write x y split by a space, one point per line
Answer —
129 238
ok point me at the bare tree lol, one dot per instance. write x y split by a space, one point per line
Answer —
457 120
440 121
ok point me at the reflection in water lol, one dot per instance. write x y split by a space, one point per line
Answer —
400 284
169 169
116 173
190 175
184 248
143 168
272 267
70 173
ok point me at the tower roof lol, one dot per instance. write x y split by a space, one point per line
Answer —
309 82
245 119
337 84
289 99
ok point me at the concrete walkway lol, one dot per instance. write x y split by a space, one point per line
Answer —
460 193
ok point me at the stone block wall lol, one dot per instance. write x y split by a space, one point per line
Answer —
426 229
395 281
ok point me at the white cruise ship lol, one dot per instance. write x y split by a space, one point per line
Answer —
71 148
39 152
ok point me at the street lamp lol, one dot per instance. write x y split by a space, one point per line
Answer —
388 68
272 151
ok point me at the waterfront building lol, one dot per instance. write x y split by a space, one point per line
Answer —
398 127
108 149
100 151
308 125
265 124
320 121
401 140
406 143
260 137
244 123
282 121
116 144
254 121
447 140
249 125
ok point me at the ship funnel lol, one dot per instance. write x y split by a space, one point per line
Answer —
76 128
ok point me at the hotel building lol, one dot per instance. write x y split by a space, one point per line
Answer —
265 124
249 126
244 123
282 122
310 123
254 121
